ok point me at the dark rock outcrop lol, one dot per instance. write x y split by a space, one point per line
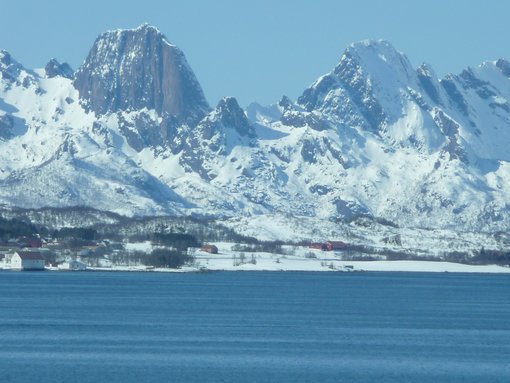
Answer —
6 125
56 69
9 68
213 129
231 115
504 66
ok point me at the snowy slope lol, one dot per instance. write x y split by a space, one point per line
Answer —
131 133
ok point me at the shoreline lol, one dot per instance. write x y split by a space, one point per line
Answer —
309 266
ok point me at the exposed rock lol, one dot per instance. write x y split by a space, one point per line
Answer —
136 69
428 82
504 66
9 68
54 69
231 115
6 125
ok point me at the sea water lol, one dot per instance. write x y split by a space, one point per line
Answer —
254 327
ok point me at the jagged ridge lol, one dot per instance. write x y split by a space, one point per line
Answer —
131 132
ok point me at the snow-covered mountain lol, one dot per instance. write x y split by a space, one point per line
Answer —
131 132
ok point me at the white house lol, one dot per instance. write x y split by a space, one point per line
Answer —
73 265
27 260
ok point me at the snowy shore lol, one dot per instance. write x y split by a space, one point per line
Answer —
296 265
304 259
338 266
296 259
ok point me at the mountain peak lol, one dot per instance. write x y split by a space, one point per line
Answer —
138 68
54 68
232 115
381 49
368 79
10 69
5 56
377 53
147 28
379 44
6 60
426 70
504 66
144 29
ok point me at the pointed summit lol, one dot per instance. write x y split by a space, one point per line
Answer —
231 115
379 58
138 68
5 57
365 88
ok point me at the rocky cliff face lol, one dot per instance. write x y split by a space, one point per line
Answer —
130 70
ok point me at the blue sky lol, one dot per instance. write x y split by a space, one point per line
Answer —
260 50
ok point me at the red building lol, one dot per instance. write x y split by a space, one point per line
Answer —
328 246
335 245
212 249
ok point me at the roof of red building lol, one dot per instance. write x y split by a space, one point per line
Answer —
336 244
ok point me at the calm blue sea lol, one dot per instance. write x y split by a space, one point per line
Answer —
254 327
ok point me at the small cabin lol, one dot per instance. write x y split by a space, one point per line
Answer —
317 245
27 260
211 249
